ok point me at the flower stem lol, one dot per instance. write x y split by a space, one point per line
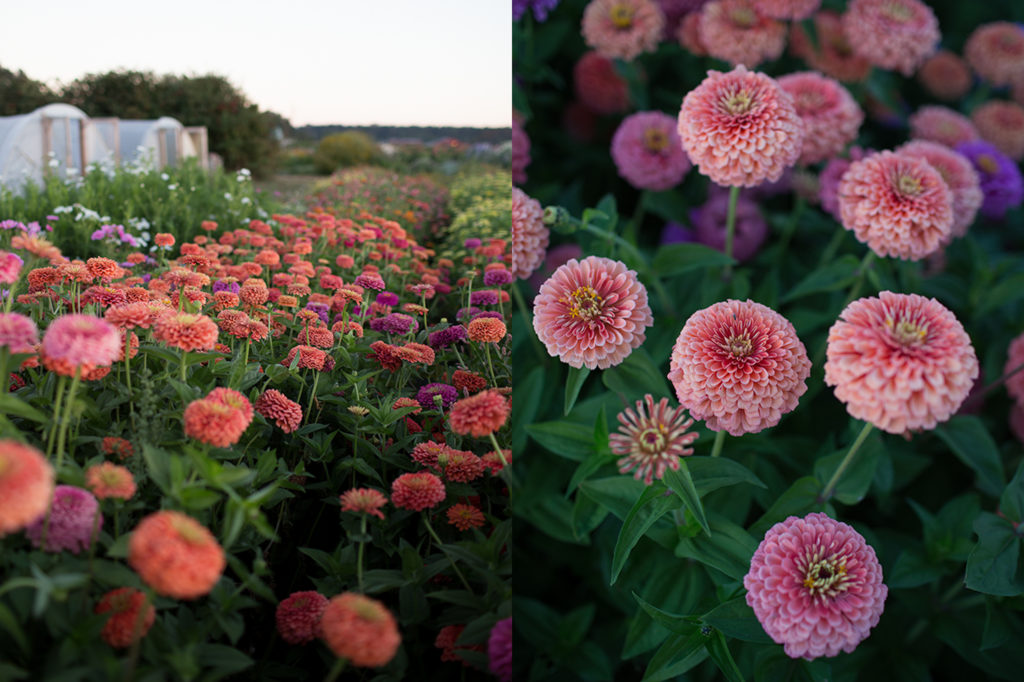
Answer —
133 656
850 454
716 449
50 440
184 365
510 477
490 367
359 559
730 228
339 666
440 545
66 419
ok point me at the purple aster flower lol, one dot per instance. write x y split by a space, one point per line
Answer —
11 225
396 323
1001 181
425 396
709 224
322 310
224 285
499 650
483 297
540 8
447 336
72 515
472 243
497 278
674 233
387 298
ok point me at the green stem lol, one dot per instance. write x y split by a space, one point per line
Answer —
440 545
133 656
790 229
850 454
510 477
730 228
51 438
66 419
359 559
184 365
716 449
5 356
490 367
339 666
819 356
830 251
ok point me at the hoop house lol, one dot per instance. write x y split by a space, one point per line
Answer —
28 140
165 140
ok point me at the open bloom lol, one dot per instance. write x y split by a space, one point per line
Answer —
276 406
26 485
592 313
1001 181
831 53
360 630
652 439
622 28
647 151
124 605
733 31
892 34
816 586
298 616
417 491
943 125
902 362
110 480
529 234
1002 124
945 76
499 650
187 331
18 333
830 114
739 366
80 341
363 501
959 176
740 128
175 555
786 9
74 519
996 52
598 86
479 415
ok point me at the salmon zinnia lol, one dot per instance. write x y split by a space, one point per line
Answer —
175 555
652 439
26 485
360 629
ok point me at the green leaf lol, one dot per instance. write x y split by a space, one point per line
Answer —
855 481
618 494
994 565
636 376
682 485
679 654
838 274
526 402
728 549
1011 503
565 439
10 623
587 468
12 404
913 568
681 625
970 441
223 659
158 466
719 652
651 506
1007 291
574 625
712 473
799 498
676 259
736 619
573 384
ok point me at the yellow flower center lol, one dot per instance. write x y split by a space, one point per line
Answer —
652 439
825 577
988 164
621 15
744 17
897 11
655 139
584 303
906 332
738 103
739 345
908 185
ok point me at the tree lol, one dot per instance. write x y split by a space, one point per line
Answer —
19 94
350 148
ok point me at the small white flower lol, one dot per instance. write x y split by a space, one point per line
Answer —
53 163
165 177
172 187
227 195
246 201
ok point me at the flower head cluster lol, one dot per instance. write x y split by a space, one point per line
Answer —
80 342
298 616
360 630
465 516
219 419
70 524
479 415
943 125
417 491
622 28
892 34
26 485
735 32
1001 181
959 176
830 114
110 480
124 626
18 333
648 153
652 439
276 406
175 555
363 501
996 52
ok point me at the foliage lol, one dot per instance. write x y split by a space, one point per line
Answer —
20 94
341 150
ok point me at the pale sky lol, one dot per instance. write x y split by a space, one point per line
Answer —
398 62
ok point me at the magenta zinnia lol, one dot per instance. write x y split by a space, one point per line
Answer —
652 438
816 586
902 362
592 313
739 366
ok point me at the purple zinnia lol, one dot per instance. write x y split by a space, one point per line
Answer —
387 298
499 650
489 313
463 313
497 278
674 233
322 310
540 8
395 323
1001 181
483 297
709 224
370 280
224 285
425 396
72 515
447 336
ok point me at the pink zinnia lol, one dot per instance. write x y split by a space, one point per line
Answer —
831 53
786 9
958 173
652 439
816 586
81 341
520 151
897 204
733 31
902 362
830 177
417 491
599 86
830 114
18 333
739 366
943 125
74 517
648 153
298 616
276 406
945 76
499 650
592 313
10 267
622 28
996 52
740 128
892 34
1002 124
363 501
529 234
1014 359
186 331
26 485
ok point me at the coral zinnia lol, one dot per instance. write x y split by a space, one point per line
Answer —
1002 124
175 555
26 485
739 366
465 516
831 53
286 413
902 362
652 439
360 629
110 480
897 204
592 313
74 517
892 34
996 52
786 9
529 234
187 331
216 422
479 415
816 586
647 151
960 177
124 606
486 330
733 31
830 114
80 341
298 616
417 491
622 28
598 85
363 501
740 128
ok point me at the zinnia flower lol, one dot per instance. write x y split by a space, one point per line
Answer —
520 151
831 53
622 28
298 616
309 357
892 34
740 128
276 406
486 330
363 501
816 586
80 342
592 313
529 234
897 204
74 518
417 491
26 485
18 333
902 362
1002 124
1001 180
124 605
733 31
187 331
958 174
360 629
427 396
217 422
945 76
499 650
175 555
110 480
465 516
479 415
996 52
652 439
739 366
648 153
10 267
786 9
942 125
830 114
599 86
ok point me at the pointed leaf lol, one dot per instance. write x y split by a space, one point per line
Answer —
970 441
719 652
651 506
573 384
682 485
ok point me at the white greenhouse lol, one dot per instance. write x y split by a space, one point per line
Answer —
56 138
163 141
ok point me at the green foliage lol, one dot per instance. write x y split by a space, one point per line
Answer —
351 148
20 94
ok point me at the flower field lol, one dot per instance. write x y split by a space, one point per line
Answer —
768 339
253 445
